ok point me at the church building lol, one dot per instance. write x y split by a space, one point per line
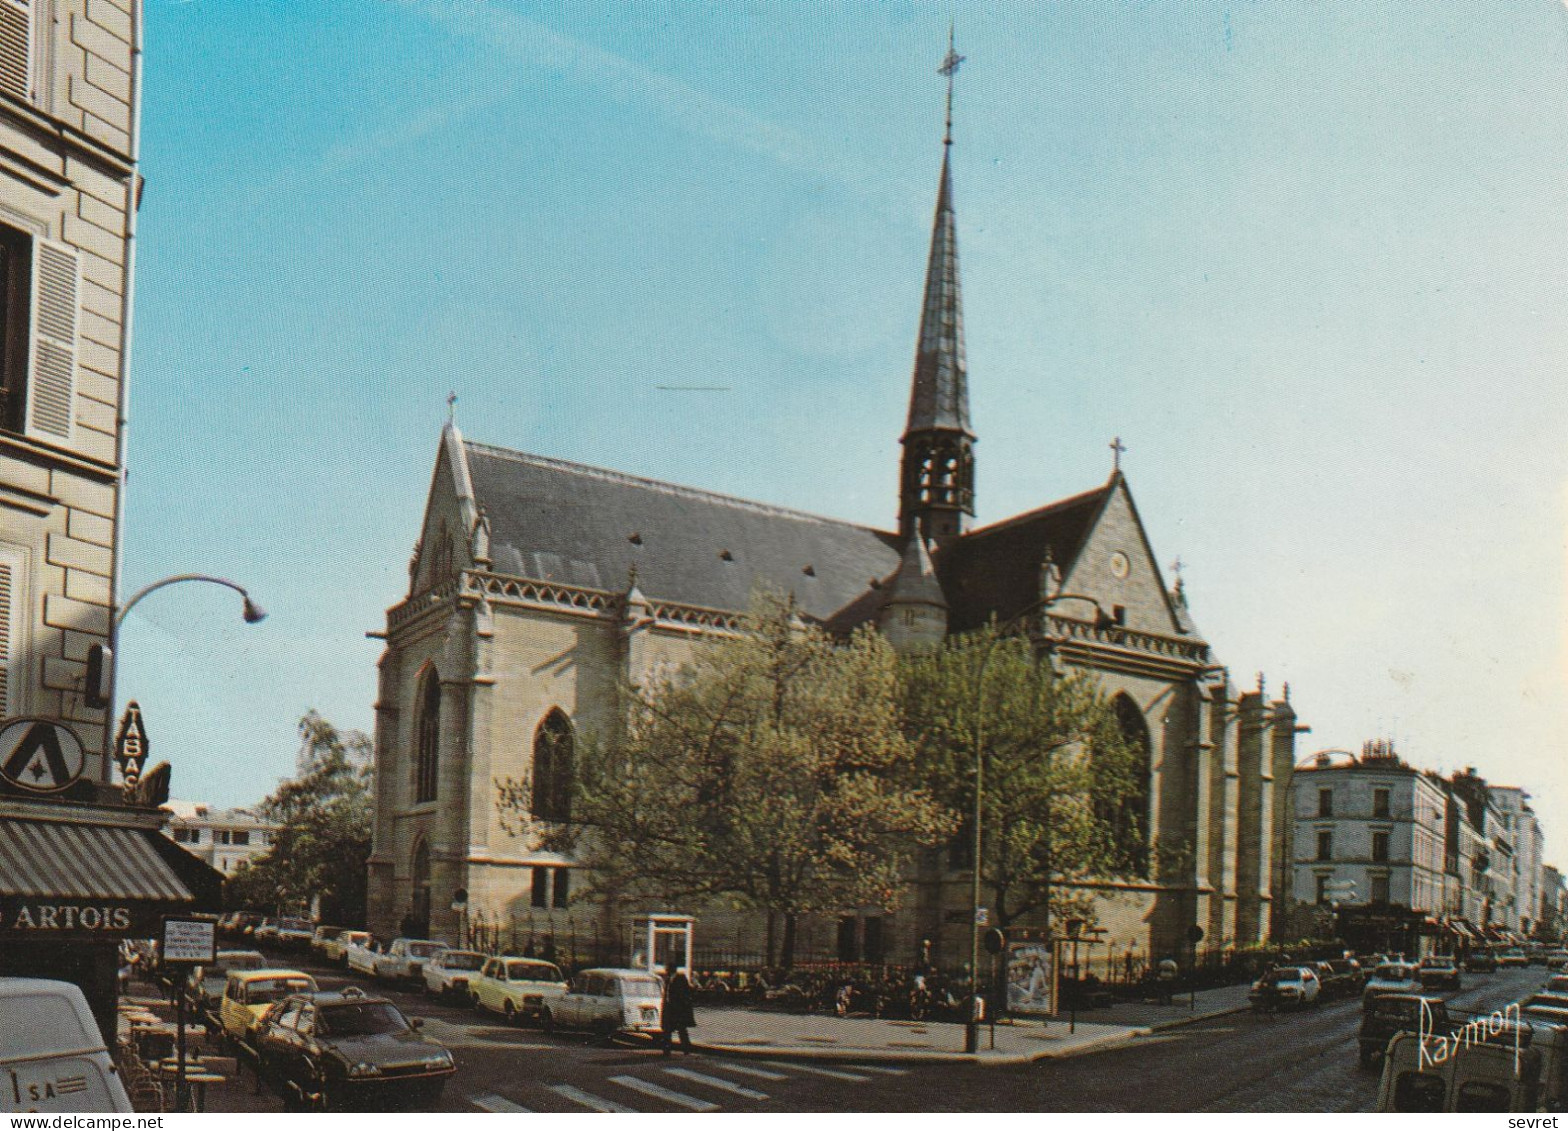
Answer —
539 585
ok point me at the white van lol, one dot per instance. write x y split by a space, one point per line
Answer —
608 1001
52 1056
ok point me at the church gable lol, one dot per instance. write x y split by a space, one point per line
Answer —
443 547
1116 566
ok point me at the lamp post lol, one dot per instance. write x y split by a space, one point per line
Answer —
1102 619
250 611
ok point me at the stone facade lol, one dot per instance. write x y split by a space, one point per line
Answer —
68 78
537 585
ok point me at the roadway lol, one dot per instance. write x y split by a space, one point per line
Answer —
1302 1061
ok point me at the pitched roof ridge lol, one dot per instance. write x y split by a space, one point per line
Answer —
1040 512
676 489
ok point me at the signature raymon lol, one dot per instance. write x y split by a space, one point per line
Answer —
1438 1047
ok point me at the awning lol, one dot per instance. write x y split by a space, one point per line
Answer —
99 879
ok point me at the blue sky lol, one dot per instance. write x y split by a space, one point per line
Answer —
1307 260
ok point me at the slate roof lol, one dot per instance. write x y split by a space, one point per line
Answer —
995 570
558 521
939 394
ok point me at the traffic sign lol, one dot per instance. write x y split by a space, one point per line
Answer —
40 756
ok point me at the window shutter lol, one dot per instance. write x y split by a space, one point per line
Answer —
51 388
7 605
16 48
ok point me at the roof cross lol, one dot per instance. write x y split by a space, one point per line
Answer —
949 68
1117 448
451 407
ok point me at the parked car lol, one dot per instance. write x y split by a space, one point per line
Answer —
335 949
1437 971
1352 972
1286 987
518 988
243 924
266 932
209 981
362 954
609 1001
1390 978
1556 984
295 934
450 972
321 936
1481 962
1557 959
1547 999
1398 1013
350 1050
404 960
250 993
1513 957
52 1056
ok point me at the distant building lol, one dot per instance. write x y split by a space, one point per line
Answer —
224 838
1369 850
1523 832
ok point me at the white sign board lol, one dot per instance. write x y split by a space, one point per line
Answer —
189 940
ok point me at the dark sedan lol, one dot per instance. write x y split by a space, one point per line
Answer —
350 1050
1399 1013
1434 972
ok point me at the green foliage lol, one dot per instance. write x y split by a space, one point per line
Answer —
772 771
1057 767
325 834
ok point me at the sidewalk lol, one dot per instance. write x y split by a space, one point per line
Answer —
757 1032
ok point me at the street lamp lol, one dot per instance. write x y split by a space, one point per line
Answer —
252 613
1102 619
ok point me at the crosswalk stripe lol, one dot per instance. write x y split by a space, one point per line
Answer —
588 1099
495 1103
748 1070
674 1097
716 1082
831 1073
886 1071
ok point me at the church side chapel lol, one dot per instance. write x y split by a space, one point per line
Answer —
539 586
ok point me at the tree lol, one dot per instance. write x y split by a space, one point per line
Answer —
323 841
1057 768
771 771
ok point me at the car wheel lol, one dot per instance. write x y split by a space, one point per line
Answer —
547 1020
473 1000
1367 1054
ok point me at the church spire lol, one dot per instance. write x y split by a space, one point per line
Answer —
936 498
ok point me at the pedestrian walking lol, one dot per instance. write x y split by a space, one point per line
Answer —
1168 973
678 1014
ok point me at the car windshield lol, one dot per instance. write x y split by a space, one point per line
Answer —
361 1019
462 960
532 972
423 949
294 925
1392 973
271 989
1397 1008
641 987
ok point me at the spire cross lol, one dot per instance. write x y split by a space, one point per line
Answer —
451 407
949 68
1176 567
1117 448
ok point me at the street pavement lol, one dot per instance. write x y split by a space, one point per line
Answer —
1229 1061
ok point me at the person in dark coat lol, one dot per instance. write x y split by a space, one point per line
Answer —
678 1014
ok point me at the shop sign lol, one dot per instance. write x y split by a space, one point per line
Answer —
40 756
53 915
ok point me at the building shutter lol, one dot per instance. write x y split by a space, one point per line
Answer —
16 48
7 633
51 388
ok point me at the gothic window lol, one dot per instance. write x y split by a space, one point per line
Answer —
552 779
427 737
1128 814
